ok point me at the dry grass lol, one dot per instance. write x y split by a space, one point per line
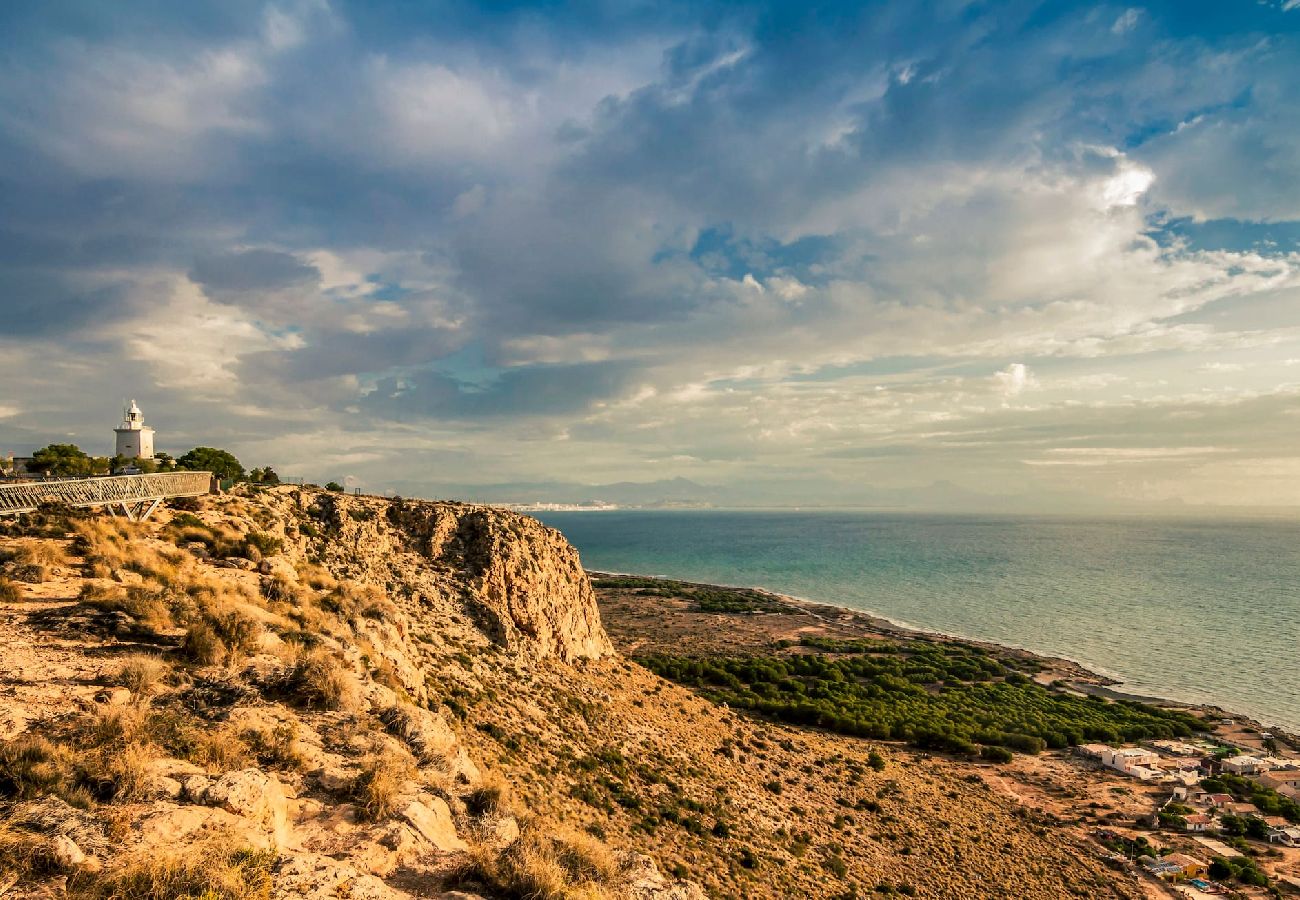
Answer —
120 772
378 786
141 673
278 746
319 680
491 797
32 766
46 553
109 544
220 750
202 645
563 865
150 607
25 855
9 592
220 870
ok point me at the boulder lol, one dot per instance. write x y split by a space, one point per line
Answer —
65 853
310 876
431 819
278 567
255 795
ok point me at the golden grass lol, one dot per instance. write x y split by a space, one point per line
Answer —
219 870
25 855
318 679
377 788
32 766
141 673
9 592
490 797
558 865
109 544
278 746
202 645
220 750
48 553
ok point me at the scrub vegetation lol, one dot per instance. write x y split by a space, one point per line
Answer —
936 696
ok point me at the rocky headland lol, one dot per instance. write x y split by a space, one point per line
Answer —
288 692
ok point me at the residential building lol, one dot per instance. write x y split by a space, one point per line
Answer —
1188 866
1244 765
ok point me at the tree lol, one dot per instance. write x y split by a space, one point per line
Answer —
269 476
333 486
210 459
67 460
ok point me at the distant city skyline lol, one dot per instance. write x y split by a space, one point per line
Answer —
1046 254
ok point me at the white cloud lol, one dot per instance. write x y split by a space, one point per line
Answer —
1127 21
1014 379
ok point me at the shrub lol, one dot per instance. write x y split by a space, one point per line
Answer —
202 645
536 866
266 544
9 592
377 787
318 679
219 750
31 767
996 754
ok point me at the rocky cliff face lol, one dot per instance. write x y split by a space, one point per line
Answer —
259 698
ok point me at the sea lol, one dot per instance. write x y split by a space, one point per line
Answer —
1195 611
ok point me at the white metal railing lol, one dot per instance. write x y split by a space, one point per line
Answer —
137 495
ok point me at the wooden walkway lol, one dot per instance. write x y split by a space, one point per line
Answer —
137 496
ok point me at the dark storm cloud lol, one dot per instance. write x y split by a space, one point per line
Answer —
252 270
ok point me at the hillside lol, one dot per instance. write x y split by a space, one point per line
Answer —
285 693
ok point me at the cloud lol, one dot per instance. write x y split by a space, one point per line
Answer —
252 270
1127 21
1014 379
743 245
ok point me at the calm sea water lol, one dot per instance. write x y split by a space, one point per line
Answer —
1193 611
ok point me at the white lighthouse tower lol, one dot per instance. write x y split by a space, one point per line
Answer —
134 438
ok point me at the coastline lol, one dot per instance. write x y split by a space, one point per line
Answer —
1060 672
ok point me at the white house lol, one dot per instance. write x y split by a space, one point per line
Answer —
1245 765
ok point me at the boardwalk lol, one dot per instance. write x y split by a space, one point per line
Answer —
136 496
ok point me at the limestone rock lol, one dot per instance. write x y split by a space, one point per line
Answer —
65 853
168 825
646 882
125 576
255 795
525 578
278 567
195 787
309 876
431 819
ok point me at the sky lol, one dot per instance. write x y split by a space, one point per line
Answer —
793 253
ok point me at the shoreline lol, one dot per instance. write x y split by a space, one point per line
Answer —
1078 676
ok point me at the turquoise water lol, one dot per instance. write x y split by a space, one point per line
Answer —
1196 611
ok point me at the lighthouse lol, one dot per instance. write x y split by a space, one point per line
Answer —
134 438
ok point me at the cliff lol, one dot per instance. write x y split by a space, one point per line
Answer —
285 693
245 700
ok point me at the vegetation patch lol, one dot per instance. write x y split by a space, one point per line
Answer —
705 597
940 696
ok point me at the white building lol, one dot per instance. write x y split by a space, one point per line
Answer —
134 438
1127 758
1245 765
